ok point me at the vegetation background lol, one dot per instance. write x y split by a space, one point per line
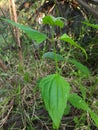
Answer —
22 65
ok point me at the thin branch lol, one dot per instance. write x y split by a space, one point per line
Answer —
88 8
13 16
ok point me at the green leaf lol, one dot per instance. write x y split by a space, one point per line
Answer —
91 25
94 117
66 38
55 92
78 102
53 56
82 68
32 34
50 20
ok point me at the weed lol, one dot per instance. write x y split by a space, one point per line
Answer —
55 90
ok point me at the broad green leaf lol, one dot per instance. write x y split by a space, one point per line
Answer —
53 56
82 68
32 34
55 92
66 38
78 102
50 20
91 25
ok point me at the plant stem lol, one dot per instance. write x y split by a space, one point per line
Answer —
54 49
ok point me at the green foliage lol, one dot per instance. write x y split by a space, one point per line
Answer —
26 77
50 20
53 56
82 68
66 38
94 117
91 25
55 92
79 103
83 90
32 34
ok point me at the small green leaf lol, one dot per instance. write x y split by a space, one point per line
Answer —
94 117
78 102
53 56
32 34
55 92
66 38
91 25
50 20
82 68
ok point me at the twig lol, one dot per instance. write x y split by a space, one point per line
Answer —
89 8
13 16
2 65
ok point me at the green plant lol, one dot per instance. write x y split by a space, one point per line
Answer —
91 25
55 93
51 88
55 90
32 34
